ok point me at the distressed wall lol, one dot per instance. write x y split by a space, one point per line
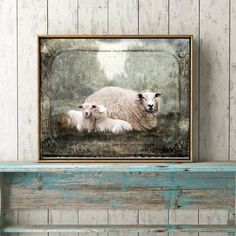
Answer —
211 21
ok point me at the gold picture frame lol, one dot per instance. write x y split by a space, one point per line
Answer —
54 66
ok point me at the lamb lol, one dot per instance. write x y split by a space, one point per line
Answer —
82 119
107 124
138 109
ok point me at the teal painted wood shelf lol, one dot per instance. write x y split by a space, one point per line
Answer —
204 185
94 168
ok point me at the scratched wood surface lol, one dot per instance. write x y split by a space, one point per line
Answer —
212 21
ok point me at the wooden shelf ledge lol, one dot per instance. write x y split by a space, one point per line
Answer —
128 167
117 228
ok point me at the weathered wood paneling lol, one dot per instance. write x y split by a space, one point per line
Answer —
214 217
153 217
63 217
27 217
62 17
93 217
214 83
177 216
8 80
123 17
92 17
125 217
32 20
232 81
153 17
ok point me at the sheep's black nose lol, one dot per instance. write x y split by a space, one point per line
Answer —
150 105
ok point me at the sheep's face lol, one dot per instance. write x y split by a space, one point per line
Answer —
87 109
100 112
149 100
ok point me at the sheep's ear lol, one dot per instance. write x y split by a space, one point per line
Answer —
157 95
140 96
80 107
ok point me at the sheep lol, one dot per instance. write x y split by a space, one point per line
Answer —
82 119
138 109
107 124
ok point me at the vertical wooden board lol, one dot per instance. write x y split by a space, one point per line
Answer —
177 216
214 83
233 82
93 217
123 17
153 17
92 17
32 20
126 217
62 17
217 217
10 217
150 217
184 19
8 80
60 216
33 217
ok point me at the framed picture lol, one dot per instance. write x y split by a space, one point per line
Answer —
115 98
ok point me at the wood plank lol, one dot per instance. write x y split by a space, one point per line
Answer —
93 17
177 216
8 81
232 81
204 167
63 217
28 217
107 190
32 20
214 84
93 217
10 218
184 19
1 211
153 217
119 228
124 216
62 17
153 17
123 17
213 217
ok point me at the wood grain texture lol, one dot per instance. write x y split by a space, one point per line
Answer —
93 217
63 217
213 217
125 217
27 217
214 84
62 17
153 17
177 216
93 17
32 20
134 229
120 190
8 80
123 17
232 81
153 217
184 19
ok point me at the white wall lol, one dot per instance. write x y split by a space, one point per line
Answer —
213 23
